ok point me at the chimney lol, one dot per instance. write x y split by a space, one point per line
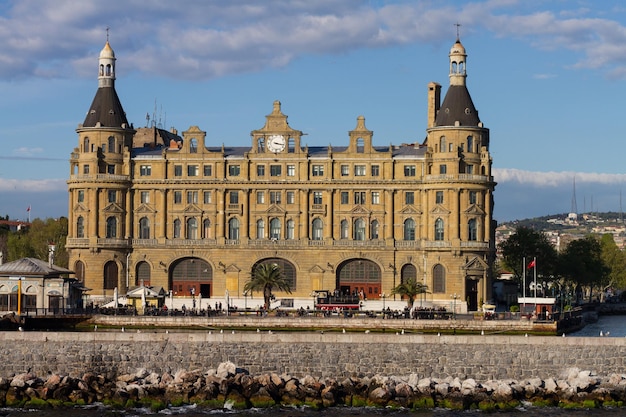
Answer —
434 101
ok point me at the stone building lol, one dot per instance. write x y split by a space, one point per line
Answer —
155 207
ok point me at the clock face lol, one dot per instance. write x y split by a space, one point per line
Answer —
276 143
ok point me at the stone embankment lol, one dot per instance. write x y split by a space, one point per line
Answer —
232 387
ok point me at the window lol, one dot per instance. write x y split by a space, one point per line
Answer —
472 230
375 170
409 197
275 197
208 197
111 144
451 147
291 197
80 227
344 227
469 169
291 170
442 144
111 231
472 197
234 170
178 170
233 229
291 227
260 145
193 170
359 170
206 226
439 229
443 169
178 197
192 197
470 144
86 169
144 197
374 229
233 197
81 196
318 170
208 170
409 229
317 197
275 170
112 196
360 145
375 197
345 170
439 279
193 145
145 170
317 229
260 197
144 228
260 229
345 197
439 197
275 229
260 170
359 197
176 229
86 145
359 229
409 170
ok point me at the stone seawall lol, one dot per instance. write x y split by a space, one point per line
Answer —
321 355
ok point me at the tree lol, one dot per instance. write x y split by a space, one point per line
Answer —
266 277
615 260
581 263
529 244
33 242
410 289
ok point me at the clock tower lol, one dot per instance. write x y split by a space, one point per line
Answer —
276 136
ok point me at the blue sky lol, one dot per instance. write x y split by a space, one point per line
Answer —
547 77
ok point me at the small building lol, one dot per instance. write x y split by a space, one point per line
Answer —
35 287
144 297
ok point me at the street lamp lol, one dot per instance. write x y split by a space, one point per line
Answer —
454 298
383 295
245 300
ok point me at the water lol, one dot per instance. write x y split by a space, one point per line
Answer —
610 326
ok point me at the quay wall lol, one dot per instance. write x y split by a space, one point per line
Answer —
328 354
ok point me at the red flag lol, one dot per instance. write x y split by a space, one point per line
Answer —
532 264
28 209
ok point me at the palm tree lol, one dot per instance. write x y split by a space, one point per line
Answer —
265 278
410 289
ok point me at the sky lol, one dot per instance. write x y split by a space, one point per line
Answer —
547 77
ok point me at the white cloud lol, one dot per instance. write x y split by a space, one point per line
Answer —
32 186
555 179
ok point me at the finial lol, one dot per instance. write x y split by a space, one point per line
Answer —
107 34
458 25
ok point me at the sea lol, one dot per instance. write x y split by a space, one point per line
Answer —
606 326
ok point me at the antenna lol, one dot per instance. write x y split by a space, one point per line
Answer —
621 213
574 205
107 34
458 25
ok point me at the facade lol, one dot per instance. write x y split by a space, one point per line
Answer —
155 207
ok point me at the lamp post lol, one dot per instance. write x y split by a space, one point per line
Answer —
245 301
314 296
454 298
383 295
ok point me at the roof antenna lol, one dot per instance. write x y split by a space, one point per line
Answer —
107 34
458 25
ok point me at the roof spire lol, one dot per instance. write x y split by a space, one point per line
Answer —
108 34
457 24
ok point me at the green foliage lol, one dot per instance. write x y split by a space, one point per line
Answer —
33 242
524 245
266 277
581 263
410 289
615 260
514 309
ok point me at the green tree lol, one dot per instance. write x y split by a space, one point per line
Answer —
615 260
410 289
266 277
33 242
581 263
525 245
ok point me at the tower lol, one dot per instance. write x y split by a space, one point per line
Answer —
99 187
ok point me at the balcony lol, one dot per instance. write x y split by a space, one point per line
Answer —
112 243
234 208
264 243
190 242
475 245
144 242
77 242
414 244
437 244
359 243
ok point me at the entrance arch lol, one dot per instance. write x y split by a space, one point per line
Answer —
359 276
191 277
111 275
286 268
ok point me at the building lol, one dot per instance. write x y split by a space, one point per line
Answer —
155 207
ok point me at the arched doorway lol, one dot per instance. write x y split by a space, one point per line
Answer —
111 274
357 276
287 268
142 274
191 277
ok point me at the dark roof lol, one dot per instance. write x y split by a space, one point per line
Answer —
457 106
106 108
30 267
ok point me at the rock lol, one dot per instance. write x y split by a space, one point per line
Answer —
226 369
379 396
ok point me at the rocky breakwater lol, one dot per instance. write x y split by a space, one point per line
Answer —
231 387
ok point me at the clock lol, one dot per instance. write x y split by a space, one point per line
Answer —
276 143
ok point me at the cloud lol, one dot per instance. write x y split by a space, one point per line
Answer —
555 179
33 186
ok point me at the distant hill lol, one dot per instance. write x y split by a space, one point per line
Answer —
559 221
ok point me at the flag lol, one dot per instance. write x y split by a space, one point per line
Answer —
532 264
28 209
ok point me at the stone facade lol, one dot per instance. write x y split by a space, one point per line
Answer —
195 217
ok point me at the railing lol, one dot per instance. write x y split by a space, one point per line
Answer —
78 242
437 244
349 242
408 243
476 245
112 177
108 242
317 243
275 242
144 242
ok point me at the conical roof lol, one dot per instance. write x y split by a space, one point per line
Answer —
106 108
457 106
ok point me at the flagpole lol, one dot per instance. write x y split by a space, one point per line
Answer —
535 270
524 282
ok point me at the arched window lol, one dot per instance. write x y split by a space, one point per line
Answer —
359 275
80 227
206 226
470 144
111 231
79 271
317 229
374 229
439 279
344 229
142 274
192 228
111 144
101 72
409 229
233 229
359 229
291 228
193 145
287 269
472 230
260 229
86 145
408 273
144 228
110 275
439 229
275 229
177 229
442 144
108 70
360 145
191 274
